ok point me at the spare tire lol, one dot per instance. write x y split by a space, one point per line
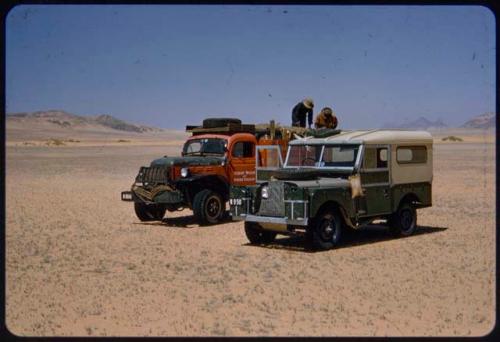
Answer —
295 174
322 132
219 122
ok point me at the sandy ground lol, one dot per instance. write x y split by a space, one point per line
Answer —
78 261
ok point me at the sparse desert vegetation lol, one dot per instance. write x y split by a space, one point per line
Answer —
55 142
451 138
79 263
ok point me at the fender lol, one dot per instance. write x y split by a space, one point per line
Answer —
193 184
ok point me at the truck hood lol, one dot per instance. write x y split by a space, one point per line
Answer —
187 161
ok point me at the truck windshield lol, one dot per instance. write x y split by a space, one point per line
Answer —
322 156
212 146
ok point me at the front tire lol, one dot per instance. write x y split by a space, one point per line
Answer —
256 235
208 207
149 212
404 221
327 231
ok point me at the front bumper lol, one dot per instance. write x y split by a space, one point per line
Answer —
127 196
240 210
276 220
160 194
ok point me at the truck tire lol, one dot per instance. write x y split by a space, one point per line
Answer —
219 122
149 212
257 235
208 207
404 221
327 230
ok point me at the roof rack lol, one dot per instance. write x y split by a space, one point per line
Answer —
231 128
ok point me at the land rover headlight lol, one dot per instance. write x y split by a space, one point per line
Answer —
184 172
264 192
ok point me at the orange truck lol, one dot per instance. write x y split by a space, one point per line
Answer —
220 153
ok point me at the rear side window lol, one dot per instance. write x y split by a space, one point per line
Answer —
411 154
243 149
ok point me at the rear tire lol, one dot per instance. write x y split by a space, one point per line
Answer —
149 212
404 221
257 235
327 230
208 207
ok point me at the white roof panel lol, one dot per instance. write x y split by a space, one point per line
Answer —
376 136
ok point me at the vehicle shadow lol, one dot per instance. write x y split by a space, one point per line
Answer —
188 221
351 238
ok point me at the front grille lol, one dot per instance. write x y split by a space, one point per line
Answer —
152 175
274 205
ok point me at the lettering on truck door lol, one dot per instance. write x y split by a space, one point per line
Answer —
242 163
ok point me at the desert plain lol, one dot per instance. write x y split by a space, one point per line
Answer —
79 263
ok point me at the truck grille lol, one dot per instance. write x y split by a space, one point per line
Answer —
274 205
152 175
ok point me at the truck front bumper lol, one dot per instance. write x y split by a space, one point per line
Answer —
128 196
158 195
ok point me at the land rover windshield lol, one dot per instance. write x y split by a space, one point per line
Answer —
204 146
322 156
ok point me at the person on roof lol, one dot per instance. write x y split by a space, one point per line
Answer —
300 111
326 119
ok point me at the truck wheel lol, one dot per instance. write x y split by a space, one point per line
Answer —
208 207
404 221
219 122
257 235
327 231
149 212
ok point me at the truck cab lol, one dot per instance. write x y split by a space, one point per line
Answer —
214 158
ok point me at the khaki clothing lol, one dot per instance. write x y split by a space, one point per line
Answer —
324 120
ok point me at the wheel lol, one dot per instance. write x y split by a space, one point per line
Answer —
149 212
208 207
404 221
327 230
219 122
257 235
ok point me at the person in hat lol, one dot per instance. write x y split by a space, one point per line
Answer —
326 118
300 111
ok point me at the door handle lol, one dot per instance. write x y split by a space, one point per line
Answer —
386 193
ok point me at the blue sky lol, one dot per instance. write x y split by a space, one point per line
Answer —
170 66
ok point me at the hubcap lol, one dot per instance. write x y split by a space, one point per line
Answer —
328 230
213 206
406 220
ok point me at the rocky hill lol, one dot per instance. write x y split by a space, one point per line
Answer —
484 121
420 123
62 119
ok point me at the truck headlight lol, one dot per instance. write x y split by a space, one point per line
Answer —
265 192
184 172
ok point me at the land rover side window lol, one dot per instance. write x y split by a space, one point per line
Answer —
243 149
411 154
381 158
304 155
268 158
339 156
204 146
375 158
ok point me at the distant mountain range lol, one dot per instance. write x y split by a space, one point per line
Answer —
482 121
486 120
62 119
420 123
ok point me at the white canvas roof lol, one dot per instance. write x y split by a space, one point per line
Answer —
376 136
